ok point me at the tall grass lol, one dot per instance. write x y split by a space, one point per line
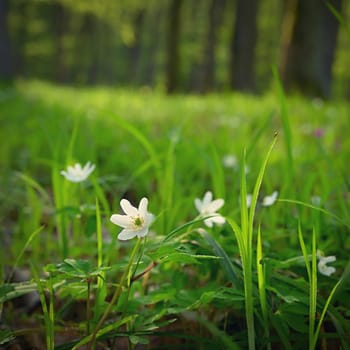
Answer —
202 285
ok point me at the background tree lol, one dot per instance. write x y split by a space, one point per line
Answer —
6 59
208 45
311 48
207 69
244 38
173 46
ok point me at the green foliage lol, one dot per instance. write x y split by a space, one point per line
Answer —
182 284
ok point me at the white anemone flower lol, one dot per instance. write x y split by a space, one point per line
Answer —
322 264
208 207
136 222
77 173
249 200
230 161
270 200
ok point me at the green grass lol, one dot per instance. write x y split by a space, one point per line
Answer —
252 282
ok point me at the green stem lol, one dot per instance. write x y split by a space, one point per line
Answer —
115 295
88 307
249 304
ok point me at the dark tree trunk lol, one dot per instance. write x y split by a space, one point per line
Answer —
6 59
310 54
207 74
59 29
173 47
242 75
135 49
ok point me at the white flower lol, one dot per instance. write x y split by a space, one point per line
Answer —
136 222
78 174
322 264
208 207
249 200
229 161
270 200
316 200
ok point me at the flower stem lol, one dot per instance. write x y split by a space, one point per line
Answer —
115 295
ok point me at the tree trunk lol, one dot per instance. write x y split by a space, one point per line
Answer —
310 53
59 28
242 75
173 47
207 74
6 59
135 49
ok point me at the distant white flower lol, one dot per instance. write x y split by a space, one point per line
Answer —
136 222
208 207
322 264
249 200
316 200
78 174
270 200
229 161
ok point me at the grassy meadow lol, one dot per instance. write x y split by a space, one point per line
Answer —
264 279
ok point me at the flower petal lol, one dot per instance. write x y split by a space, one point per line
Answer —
220 220
198 204
328 259
126 234
149 218
270 200
143 232
128 208
121 220
215 205
208 222
143 207
207 198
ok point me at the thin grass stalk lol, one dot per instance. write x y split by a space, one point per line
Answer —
101 285
58 191
260 266
313 292
19 256
246 255
323 314
88 306
289 171
48 313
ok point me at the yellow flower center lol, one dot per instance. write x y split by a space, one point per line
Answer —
138 222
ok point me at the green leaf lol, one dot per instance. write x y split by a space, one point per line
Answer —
15 290
136 339
77 268
232 272
6 336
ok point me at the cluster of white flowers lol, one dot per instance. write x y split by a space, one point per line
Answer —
267 201
136 221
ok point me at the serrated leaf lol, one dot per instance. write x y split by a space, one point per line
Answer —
77 268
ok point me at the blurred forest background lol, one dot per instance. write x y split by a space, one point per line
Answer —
179 45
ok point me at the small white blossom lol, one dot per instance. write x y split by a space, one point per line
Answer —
270 200
77 173
322 264
316 200
208 207
249 200
136 222
230 161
